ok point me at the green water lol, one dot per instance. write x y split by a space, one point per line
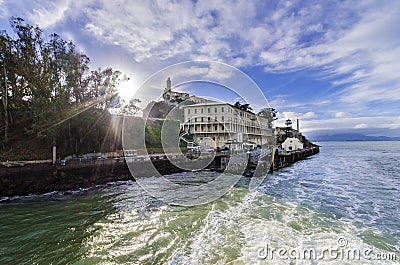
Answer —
299 207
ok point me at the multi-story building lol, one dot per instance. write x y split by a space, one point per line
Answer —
225 125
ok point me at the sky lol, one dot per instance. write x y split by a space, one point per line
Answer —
335 65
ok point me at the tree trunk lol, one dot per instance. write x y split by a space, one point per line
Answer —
5 105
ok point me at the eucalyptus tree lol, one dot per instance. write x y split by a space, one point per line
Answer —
49 93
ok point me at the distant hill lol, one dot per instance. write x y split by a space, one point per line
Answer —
352 137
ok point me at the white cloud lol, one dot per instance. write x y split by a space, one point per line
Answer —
361 126
353 44
3 9
219 73
381 122
291 115
294 115
293 37
309 115
47 13
97 31
203 71
283 35
342 114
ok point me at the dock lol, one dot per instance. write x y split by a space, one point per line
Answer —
268 162
284 159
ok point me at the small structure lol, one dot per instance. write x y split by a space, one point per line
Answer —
172 97
282 133
291 144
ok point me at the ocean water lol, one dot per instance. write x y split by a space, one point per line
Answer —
341 206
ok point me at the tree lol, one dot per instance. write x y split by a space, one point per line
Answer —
4 47
245 107
49 94
269 114
129 108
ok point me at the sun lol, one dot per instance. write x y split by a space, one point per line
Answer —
127 89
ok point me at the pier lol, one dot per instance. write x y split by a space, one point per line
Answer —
284 159
267 162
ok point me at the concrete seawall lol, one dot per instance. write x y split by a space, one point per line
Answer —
43 178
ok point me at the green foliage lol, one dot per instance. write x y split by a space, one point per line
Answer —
154 129
50 96
157 109
136 129
129 108
245 107
268 113
153 133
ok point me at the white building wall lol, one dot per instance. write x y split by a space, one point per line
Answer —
222 122
291 144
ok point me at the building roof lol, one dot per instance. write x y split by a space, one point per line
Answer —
194 96
205 104
217 103
292 139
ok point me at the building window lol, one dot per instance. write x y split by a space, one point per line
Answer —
215 127
222 127
222 118
216 110
202 127
209 110
188 111
195 111
201 110
222 109
216 118
202 119
195 119
209 119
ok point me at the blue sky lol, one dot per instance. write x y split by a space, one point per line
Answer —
333 64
